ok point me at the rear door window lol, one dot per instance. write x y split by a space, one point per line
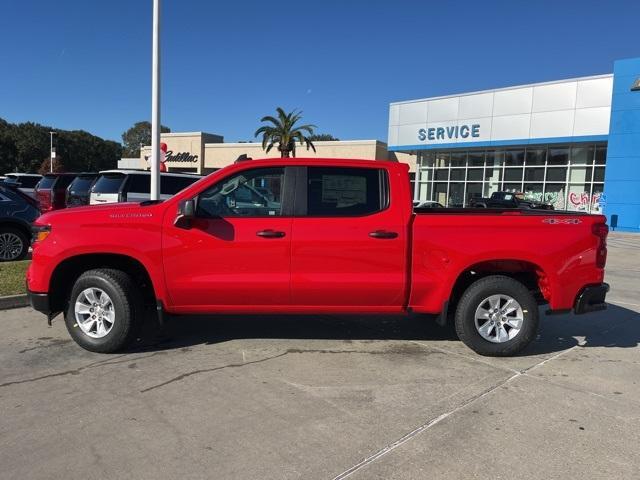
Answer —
170 185
64 181
108 183
46 182
81 183
139 183
344 192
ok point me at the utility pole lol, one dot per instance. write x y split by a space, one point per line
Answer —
52 152
155 104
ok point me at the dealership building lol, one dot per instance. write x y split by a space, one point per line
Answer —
573 143
203 153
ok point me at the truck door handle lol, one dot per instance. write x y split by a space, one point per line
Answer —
270 234
383 234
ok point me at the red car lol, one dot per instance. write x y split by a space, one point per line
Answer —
314 236
51 190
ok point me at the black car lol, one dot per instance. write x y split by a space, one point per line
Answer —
78 190
509 200
17 212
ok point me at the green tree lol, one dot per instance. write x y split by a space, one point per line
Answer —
323 137
284 132
139 134
24 147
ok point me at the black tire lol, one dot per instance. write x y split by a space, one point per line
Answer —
24 243
127 305
472 299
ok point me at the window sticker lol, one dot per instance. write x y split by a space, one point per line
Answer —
344 190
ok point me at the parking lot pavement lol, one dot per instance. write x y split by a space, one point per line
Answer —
327 397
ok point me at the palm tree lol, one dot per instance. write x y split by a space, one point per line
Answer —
284 132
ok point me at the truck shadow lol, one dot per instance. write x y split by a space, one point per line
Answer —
615 327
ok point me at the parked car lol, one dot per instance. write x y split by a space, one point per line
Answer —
51 191
508 200
17 212
78 190
134 186
26 182
330 236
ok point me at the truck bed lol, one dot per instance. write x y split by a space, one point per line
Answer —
496 211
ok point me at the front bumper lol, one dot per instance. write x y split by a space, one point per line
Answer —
591 299
39 302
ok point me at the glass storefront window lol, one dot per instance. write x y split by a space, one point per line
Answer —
580 174
459 159
440 193
456 194
513 174
556 174
490 188
474 174
533 191
424 192
493 174
426 174
495 158
555 195
534 174
595 197
442 174
512 187
579 197
568 176
536 156
457 174
476 159
474 190
514 158
582 155
442 159
598 174
558 156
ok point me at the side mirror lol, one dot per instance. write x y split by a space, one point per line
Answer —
186 212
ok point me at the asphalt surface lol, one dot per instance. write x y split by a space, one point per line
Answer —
327 397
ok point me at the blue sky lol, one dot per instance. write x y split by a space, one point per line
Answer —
85 64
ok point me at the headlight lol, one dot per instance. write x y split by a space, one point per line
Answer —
40 232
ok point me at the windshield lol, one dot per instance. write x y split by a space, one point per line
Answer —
108 183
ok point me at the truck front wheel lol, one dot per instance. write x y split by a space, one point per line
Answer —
103 310
497 316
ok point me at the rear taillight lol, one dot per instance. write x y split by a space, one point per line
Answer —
44 200
601 230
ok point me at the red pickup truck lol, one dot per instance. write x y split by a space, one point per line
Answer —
314 236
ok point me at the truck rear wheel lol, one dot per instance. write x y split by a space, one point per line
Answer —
103 310
497 316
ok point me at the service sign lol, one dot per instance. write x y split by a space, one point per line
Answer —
451 132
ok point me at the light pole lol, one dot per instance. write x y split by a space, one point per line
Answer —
52 152
155 104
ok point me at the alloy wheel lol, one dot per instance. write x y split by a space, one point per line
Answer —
499 318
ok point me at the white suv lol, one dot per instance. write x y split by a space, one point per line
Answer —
113 186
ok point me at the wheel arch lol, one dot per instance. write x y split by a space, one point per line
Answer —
67 272
530 274
18 225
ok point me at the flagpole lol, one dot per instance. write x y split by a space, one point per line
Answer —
155 104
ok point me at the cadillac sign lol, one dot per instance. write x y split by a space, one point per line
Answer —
180 157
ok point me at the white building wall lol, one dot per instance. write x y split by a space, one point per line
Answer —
567 108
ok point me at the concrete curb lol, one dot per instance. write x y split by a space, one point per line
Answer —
14 301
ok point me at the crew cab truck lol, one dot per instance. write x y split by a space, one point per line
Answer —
508 200
322 236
